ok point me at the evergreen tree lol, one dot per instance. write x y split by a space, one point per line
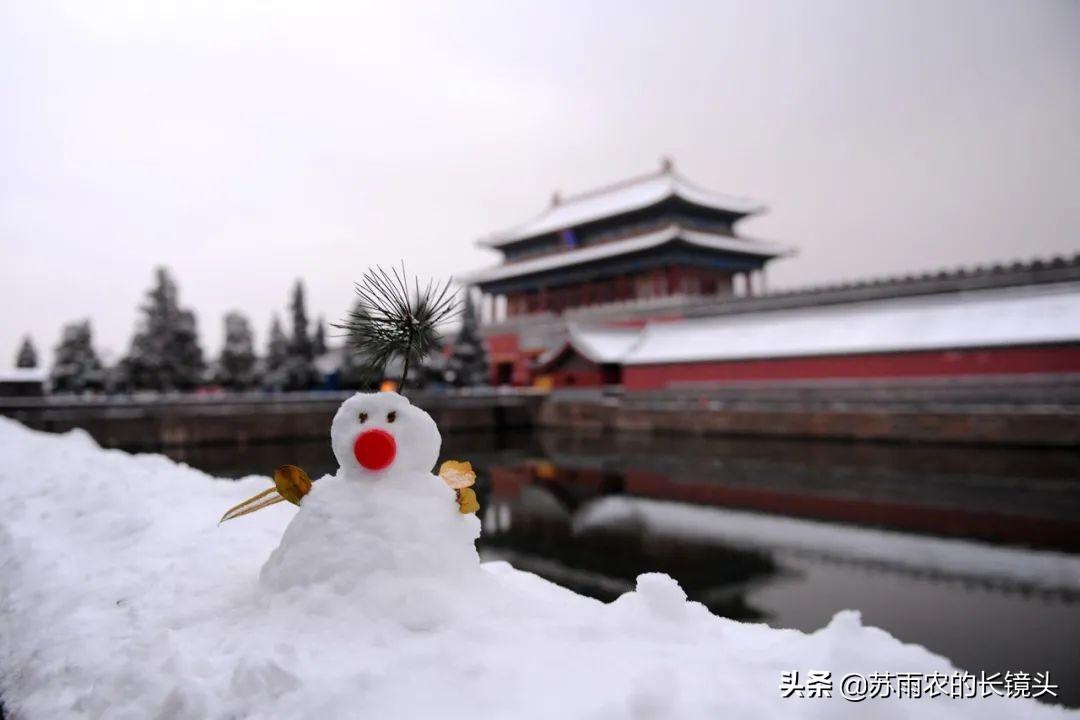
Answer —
468 364
391 323
27 357
433 368
299 369
236 366
277 356
165 353
118 377
318 338
76 368
351 373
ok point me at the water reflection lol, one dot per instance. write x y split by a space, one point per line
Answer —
788 532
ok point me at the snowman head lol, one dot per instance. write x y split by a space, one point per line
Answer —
374 434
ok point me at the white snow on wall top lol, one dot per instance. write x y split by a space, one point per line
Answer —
1017 316
599 345
624 197
604 345
712 241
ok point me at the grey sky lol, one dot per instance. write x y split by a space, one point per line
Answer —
246 145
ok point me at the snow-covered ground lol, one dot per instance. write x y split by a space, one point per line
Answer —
121 597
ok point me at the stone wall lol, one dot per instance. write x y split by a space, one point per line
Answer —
978 416
241 420
1013 426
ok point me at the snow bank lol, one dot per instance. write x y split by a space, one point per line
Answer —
120 597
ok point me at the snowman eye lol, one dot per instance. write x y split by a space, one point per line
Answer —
391 417
363 417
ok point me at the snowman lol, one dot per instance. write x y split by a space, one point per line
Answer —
385 530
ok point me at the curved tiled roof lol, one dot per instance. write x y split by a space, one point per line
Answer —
700 238
600 345
627 196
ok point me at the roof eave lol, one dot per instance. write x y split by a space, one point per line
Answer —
731 206
671 233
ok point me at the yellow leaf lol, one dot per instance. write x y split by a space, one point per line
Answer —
457 474
266 498
467 502
292 483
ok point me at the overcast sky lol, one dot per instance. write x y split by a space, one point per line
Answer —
246 145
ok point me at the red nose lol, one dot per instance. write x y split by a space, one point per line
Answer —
375 449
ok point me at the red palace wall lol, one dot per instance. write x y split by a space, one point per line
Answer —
579 377
983 361
658 282
503 349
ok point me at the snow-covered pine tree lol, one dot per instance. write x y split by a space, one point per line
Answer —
165 353
299 370
118 377
318 337
27 356
433 369
190 369
468 364
277 355
351 375
76 367
236 366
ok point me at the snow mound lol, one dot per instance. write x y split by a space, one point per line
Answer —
399 550
120 597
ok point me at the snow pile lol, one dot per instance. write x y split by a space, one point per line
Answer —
121 598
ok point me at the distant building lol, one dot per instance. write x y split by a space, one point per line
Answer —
22 382
648 241
1002 331
646 284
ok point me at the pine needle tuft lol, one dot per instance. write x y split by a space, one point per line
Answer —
390 321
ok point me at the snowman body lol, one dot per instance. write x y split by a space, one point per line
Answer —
384 529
